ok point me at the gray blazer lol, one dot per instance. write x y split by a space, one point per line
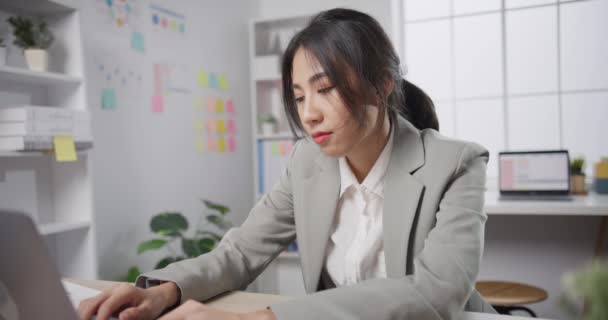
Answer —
433 235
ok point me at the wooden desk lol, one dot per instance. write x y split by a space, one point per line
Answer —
239 301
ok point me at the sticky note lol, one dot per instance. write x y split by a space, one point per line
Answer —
211 144
221 144
65 149
223 82
182 28
282 149
200 146
172 25
288 148
220 106
158 104
211 107
199 125
221 127
211 126
274 148
231 126
137 42
202 79
108 99
230 106
198 103
213 84
231 144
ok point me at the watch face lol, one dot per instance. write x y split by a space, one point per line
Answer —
8 307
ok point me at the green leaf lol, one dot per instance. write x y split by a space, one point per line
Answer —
166 261
219 221
151 245
215 206
196 247
132 274
190 248
169 224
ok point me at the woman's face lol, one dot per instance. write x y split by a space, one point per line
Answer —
322 112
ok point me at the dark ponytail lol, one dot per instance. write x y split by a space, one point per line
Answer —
358 58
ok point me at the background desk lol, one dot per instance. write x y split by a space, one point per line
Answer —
239 301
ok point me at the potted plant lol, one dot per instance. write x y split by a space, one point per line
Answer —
586 292
170 233
577 175
269 124
2 52
34 39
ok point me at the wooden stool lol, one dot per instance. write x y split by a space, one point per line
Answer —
507 296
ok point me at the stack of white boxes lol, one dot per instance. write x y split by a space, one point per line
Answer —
32 128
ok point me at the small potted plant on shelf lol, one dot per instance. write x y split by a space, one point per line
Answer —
34 39
577 175
269 124
2 51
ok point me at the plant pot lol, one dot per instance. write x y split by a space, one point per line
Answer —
269 128
37 59
2 56
577 184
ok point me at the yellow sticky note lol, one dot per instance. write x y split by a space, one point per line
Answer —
221 127
219 106
202 79
221 145
65 149
198 103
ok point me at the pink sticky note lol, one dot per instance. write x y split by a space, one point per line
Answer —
230 106
211 127
231 144
210 105
211 144
288 147
158 103
231 126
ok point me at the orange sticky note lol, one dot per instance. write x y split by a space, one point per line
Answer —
282 149
65 149
211 144
221 145
220 106
211 127
221 127
210 105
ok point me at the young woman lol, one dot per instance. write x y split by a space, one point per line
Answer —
387 212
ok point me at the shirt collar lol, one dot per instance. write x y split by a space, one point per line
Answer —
372 181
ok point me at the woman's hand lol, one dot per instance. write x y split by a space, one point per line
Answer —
192 310
130 302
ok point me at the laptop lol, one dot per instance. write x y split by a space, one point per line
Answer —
30 285
534 175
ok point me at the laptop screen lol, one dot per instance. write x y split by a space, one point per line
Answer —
535 171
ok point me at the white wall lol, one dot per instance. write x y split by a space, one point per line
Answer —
145 162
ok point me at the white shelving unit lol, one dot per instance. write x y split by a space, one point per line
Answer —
58 196
268 39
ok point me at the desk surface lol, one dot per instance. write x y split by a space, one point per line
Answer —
592 204
239 301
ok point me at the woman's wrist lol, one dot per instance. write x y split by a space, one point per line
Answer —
169 293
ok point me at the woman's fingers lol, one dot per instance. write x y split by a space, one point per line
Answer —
142 311
183 311
122 295
88 307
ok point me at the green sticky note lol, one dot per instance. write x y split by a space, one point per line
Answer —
202 79
65 149
275 149
223 82
108 99
137 42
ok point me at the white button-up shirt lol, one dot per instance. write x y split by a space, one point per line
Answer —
355 251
